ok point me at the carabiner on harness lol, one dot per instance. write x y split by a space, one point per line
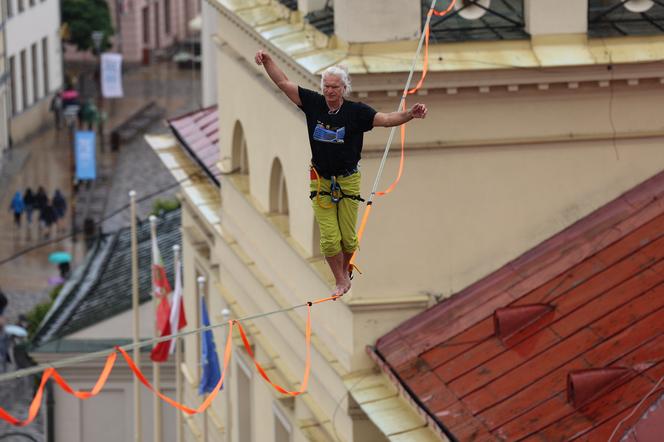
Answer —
335 190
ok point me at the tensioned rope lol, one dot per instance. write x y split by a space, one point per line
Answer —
424 41
50 370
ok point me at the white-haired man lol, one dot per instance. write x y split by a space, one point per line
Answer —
336 126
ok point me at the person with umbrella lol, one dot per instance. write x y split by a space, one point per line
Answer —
62 259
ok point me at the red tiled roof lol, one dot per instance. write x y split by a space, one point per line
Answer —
580 322
199 133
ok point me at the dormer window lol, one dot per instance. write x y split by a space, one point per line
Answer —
615 18
478 20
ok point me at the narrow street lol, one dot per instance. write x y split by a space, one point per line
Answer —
48 164
45 160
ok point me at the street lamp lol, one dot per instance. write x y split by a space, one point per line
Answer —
97 38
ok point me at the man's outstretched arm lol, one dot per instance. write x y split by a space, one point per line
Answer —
278 77
390 119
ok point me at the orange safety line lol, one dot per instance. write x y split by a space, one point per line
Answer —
206 403
307 366
52 373
391 187
320 204
402 160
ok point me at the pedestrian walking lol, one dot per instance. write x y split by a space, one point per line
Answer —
336 126
47 217
4 337
60 207
29 202
87 115
41 199
4 346
56 107
3 302
17 207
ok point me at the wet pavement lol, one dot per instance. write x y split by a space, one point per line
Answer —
47 163
45 160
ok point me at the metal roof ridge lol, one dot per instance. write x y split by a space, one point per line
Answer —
76 289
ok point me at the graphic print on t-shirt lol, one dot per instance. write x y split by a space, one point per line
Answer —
329 134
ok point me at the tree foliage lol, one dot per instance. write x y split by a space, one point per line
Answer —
82 18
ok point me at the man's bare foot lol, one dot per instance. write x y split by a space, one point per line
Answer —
342 288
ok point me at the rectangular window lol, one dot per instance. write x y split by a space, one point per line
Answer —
244 400
167 17
24 79
12 79
145 16
282 427
47 86
21 6
156 25
10 8
35 72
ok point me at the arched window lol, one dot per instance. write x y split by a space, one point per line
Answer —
279 198
278 190
240 159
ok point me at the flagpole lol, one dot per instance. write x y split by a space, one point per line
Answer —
179 424
201 292
156 369
138 437
226 315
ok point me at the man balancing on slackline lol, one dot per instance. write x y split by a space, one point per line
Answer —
336 127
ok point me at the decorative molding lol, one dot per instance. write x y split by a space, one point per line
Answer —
359 305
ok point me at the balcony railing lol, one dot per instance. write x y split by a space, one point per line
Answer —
478 20
614 18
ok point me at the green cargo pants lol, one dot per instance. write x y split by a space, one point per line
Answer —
337 221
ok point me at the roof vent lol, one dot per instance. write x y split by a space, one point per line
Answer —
509 320
584 386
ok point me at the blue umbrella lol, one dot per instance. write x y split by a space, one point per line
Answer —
59 257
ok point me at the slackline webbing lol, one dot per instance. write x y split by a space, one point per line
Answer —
424 41
50 370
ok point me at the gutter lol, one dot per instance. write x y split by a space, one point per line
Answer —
406 393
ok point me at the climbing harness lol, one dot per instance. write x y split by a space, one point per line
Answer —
336 194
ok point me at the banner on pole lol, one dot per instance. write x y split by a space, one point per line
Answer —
85 155
111 75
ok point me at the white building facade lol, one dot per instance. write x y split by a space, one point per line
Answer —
4 81
34 62
529 129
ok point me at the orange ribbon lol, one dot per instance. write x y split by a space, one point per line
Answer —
402 107
307 366
49 373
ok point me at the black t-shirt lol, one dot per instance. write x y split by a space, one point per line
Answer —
336 140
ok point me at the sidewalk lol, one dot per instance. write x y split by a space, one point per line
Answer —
45 160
